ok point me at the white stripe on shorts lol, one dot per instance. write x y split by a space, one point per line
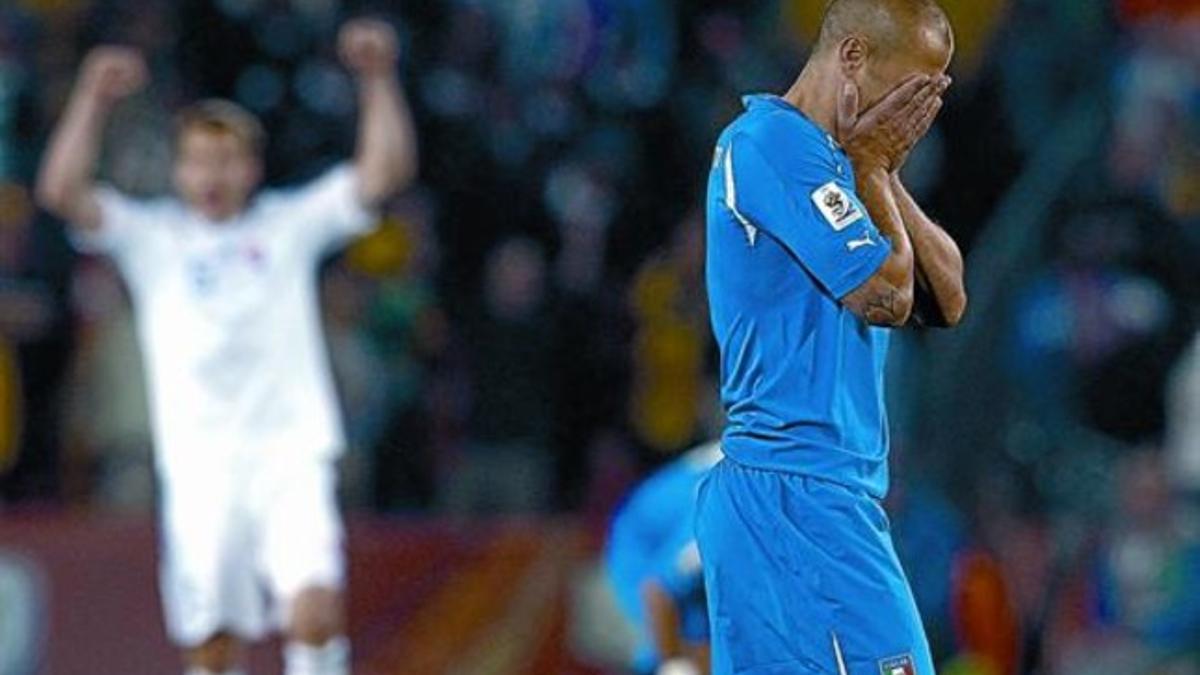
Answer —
837 654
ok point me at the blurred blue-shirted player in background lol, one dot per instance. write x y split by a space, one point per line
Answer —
653 565
815 251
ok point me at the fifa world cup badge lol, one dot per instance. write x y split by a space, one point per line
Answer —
897 665
838 208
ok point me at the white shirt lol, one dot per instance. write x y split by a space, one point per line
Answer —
228 317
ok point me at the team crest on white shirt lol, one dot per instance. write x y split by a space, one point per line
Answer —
229 267
839 209
228 280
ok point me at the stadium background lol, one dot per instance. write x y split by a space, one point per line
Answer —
527 333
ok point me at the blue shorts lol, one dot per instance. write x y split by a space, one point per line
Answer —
802 578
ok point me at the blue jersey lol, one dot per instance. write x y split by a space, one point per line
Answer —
652 538
801 375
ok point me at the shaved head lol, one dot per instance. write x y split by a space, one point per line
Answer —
877 44
888 25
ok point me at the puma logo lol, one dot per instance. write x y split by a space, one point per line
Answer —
855 244
837 206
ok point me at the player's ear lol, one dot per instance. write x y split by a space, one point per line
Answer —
852 55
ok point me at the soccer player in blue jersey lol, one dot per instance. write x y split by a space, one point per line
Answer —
815 253
653 564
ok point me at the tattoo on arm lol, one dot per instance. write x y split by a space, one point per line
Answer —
881 308
879 303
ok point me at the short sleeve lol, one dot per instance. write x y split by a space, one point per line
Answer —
121 218
329 209
810 209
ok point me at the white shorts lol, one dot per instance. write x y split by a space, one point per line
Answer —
241 538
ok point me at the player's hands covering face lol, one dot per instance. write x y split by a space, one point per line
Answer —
368 47
112 73
883 136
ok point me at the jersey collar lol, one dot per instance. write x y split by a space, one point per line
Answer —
230 224
773 101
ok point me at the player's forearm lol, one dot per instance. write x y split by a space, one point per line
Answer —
65 180
386 158
939 263
665 625
887 298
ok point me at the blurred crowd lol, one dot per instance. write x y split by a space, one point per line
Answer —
527 330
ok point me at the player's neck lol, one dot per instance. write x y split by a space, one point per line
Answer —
815 94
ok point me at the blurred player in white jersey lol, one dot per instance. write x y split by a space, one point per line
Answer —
223 283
